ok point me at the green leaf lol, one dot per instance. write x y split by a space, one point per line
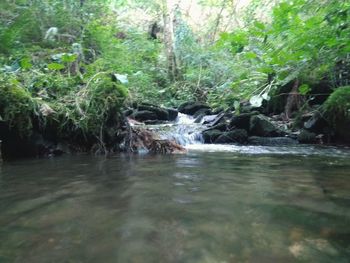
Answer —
55 66
250 55
25 63
69 58
304 89
259 25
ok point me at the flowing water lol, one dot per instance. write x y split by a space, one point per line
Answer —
184 131
235 204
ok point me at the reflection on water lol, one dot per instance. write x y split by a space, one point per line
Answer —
199 207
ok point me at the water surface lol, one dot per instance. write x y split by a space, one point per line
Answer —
229 206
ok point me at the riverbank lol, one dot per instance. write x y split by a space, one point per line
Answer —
248 127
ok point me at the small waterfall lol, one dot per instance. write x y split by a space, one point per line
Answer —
183 131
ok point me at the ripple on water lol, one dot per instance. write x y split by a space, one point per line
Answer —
306 150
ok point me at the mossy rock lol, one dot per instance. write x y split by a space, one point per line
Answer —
337 112
307 137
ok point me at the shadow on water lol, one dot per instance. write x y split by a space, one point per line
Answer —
199 207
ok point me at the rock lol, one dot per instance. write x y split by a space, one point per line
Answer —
307 137
241 121
271 141
144 115
220 118
191 108
61 148
246 108
316 123
210 136
199 119
221 127
203 112
172 114
306 250
218 111
235 136
209 119
261 126
161 114
128 112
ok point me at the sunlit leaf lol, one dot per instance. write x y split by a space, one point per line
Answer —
122 78
25 63
250 55
69 58
55 66
304 89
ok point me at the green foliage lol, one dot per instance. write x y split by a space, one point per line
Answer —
50 83
304 41
55 66
90 108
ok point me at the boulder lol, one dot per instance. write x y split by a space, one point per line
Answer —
241 121
218 111
219 119
209 119
235 136
306 137
191 108
261 126
173 113
316 123
221 127
161 113
271 141
210 136
203 112
128 112
144 115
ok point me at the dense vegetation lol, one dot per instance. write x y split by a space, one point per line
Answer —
71 66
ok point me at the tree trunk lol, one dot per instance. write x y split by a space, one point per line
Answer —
294 100
169 38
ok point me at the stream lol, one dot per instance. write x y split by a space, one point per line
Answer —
217 203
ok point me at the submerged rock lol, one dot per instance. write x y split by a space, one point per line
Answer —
271 141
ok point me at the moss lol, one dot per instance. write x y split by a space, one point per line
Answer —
67 108
337 106
337 112
17 106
